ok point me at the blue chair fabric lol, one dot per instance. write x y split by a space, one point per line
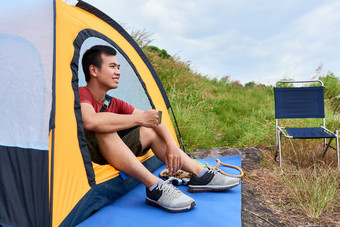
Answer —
308 133
303 102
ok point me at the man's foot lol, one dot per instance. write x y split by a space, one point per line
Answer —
169 198
211 181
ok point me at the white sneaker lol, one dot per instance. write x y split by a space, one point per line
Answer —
211 181
169 198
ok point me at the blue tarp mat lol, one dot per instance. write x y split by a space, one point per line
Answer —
212 208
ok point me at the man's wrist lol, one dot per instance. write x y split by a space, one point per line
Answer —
138 120
172 145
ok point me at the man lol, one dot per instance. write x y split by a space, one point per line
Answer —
123 132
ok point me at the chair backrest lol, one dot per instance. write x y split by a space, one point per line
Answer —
299 102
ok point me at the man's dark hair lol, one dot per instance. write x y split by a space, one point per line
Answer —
93 56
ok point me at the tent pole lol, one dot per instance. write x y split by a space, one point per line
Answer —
179 137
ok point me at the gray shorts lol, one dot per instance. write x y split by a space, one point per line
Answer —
129 136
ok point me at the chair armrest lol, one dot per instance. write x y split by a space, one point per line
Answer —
281 129
327 130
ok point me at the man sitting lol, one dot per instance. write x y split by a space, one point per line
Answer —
123 132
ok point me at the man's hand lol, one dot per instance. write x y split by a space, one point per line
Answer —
173 159
149 119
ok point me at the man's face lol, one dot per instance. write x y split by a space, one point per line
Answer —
109 74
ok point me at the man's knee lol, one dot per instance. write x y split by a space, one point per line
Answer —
98 142
147 136
107 139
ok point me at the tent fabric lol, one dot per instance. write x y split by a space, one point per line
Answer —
46 174
26 62
24 187
301 102
308 133
212 209
26 67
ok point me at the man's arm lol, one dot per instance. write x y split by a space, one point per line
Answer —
105 122
173 160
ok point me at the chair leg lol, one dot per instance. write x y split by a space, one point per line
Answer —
276 145
280 157
337 147
276 153
328 145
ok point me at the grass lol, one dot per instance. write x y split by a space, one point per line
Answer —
214 113
313 190
223 113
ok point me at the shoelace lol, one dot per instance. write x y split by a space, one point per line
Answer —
212 169
168 188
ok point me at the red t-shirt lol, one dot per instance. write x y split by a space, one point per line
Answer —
117 105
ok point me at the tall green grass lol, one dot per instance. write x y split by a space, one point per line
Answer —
332 91
219 113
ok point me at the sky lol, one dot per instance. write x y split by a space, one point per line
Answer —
248 40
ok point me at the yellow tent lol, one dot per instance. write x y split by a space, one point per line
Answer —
46 174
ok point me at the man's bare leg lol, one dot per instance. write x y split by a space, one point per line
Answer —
149 138
120 156
165 195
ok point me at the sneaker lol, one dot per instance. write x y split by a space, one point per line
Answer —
169 198
211 181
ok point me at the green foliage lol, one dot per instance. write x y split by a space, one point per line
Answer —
250 84
161 53
285 84
332 85
332 91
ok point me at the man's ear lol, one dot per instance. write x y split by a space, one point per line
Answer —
93 70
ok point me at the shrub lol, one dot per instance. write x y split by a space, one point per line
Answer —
332 90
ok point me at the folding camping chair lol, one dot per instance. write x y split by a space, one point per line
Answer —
302 102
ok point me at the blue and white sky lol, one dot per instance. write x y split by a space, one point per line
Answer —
248 40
